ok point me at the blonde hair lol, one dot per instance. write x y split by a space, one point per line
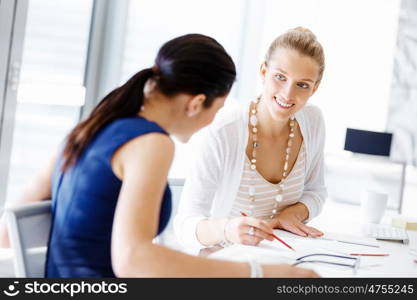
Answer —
302 40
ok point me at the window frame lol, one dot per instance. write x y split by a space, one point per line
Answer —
13 15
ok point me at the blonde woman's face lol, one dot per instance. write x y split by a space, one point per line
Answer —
290 79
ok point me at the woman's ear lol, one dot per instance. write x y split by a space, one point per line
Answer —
149 87
262 71
195 105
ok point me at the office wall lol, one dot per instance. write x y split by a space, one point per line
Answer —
402 113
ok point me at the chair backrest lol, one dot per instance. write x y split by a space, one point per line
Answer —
29 227
167 238
176 185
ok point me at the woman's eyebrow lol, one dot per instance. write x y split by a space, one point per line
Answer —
304 79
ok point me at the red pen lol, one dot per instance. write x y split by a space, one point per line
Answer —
366 254
274 236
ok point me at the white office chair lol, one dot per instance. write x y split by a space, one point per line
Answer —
29 227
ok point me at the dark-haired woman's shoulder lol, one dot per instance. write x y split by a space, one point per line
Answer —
134 125
144 153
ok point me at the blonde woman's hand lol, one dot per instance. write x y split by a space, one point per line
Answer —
284 270
247 231
291 223
289 219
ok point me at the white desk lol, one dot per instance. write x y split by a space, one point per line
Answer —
336 217
340 218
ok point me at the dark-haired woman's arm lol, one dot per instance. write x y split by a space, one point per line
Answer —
143 165
38 189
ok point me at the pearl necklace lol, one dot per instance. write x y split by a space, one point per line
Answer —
254 122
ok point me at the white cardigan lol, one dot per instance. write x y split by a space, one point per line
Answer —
214 176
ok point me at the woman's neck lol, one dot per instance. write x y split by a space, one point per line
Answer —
160 112
267 125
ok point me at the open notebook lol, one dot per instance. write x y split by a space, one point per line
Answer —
321 249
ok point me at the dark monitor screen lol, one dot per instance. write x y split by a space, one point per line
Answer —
368 142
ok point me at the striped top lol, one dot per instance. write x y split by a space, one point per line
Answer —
265 205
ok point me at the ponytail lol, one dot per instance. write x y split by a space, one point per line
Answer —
192 64
124 101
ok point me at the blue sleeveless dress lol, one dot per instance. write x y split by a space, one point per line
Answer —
84 200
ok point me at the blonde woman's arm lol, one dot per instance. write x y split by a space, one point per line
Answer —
193 224
315 192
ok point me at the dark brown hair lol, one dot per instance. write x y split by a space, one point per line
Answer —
192 64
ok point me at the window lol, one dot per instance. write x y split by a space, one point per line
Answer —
152 23
50 92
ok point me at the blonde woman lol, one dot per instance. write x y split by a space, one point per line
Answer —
264 160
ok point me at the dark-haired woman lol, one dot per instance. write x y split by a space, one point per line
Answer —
109 189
